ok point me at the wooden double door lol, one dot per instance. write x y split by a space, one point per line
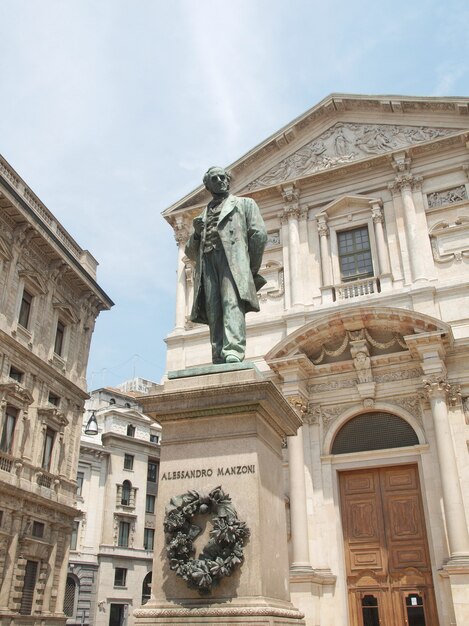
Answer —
388 567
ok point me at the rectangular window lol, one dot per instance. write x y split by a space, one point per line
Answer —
148 538
120 575
354 254
16 374
27 594
47 451
53 399
150 504
59 338
128 461
74 536
154 439
80 479
38 530
25 309
124 533
131 430
8 430
152 473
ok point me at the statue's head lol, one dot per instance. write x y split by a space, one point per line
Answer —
217 180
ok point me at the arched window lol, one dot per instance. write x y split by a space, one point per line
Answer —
126 490
71 588
146 588
374 431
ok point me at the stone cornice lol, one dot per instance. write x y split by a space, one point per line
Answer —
222 397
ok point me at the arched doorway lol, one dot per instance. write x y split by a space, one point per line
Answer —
388 568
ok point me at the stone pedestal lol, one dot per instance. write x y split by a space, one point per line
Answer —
225 429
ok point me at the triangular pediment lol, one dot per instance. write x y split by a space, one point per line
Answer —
348 203
339 132
343 143
65 311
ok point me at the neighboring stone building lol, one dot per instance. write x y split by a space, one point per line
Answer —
49 303
112 544
364 326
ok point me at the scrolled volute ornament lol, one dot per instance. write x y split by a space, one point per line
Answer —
224 550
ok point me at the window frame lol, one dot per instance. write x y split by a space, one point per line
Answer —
7 437
152 476
74 535
126 491
59 339
148 532
129 461
25 309
122 572
354 254
80 479
38 529
47 452
152 499
123 538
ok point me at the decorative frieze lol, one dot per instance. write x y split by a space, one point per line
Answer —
449 196
344 143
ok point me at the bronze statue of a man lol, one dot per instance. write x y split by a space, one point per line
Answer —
227 245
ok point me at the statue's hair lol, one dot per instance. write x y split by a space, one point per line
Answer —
215 167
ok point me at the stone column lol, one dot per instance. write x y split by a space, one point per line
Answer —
296 283
383 258
298 513
404 183
59 602
181 234
291 212
456 525
50 570
10 562
323 230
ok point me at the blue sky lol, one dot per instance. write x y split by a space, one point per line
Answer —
111 110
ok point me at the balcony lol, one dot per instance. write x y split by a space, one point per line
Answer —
357 288
6 462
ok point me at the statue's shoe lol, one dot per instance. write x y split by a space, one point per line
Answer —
231 358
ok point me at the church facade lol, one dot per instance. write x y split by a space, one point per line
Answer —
364 327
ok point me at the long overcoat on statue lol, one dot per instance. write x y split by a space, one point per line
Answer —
243 236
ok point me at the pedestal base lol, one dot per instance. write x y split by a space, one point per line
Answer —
224 429
241 612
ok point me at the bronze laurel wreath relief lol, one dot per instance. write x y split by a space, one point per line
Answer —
224 550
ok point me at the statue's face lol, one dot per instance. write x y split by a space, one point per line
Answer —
218 182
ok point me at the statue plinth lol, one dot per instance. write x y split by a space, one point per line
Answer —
225 429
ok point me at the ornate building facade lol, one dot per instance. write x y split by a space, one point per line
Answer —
111 553
364 327
49 302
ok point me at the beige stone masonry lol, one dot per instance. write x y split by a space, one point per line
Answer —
214 423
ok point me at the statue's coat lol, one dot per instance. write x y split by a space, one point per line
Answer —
243 236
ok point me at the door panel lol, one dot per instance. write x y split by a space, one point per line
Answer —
386 552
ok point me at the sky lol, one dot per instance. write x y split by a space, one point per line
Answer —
111 110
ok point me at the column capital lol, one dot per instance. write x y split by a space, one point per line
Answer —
377 213
291 211
181 231
438 386
323 228
406 181
299 403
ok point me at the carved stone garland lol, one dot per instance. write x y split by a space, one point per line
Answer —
224 550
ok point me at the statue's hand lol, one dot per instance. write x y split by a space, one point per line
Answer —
198 224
